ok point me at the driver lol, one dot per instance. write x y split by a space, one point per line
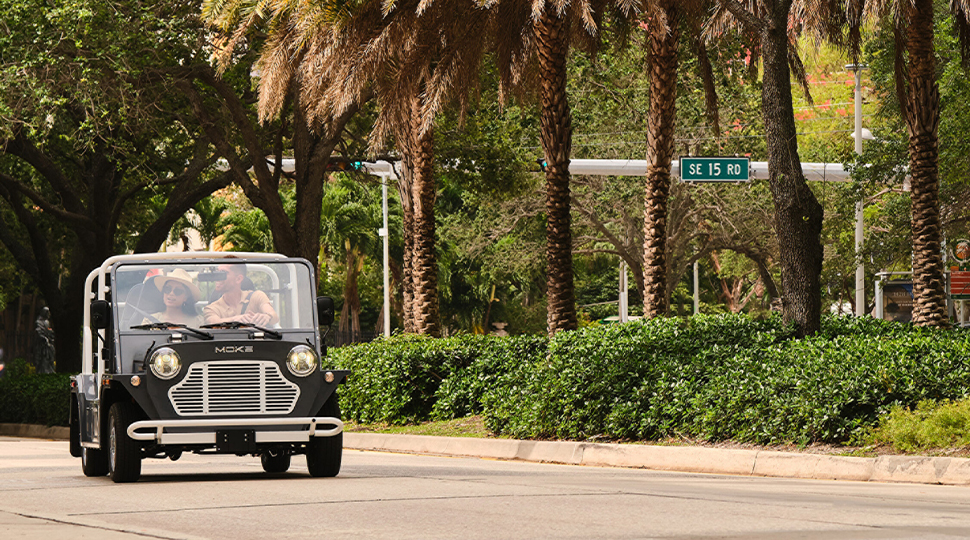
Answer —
237 305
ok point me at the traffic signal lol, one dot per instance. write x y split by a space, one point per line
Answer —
344 164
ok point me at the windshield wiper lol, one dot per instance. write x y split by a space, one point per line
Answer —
166 325
236 324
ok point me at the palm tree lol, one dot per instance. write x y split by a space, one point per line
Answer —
248 230
664 32
351 217
206 218
532 42
400 52
919 101
921 109
272 28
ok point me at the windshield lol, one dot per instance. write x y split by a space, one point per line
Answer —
221 294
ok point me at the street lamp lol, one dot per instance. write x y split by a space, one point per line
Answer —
859 135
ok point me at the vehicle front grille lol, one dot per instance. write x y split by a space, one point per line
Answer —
237 387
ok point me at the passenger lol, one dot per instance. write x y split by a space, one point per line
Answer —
179 295
237 305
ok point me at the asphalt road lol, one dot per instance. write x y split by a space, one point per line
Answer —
44 495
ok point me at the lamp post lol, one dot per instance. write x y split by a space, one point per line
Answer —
384 233
860 271
624 294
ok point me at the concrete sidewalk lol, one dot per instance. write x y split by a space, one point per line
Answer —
910 469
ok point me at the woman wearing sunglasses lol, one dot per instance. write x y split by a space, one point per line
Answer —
179 295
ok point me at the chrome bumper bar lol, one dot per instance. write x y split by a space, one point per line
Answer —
209 437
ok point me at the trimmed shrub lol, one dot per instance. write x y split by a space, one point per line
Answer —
28 398
711 377
728 377
408 378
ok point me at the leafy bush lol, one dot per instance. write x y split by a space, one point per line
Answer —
407 378
29 398
932 424
712 377
635 380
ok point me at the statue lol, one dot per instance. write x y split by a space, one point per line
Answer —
44 348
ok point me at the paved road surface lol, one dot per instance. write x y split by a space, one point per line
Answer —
44 495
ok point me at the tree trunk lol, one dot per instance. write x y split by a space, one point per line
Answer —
405 185
311 150
424 265
798 215
67 321
350 311
922 119
407 273
661 119
556 132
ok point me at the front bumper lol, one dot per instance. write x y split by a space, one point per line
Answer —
208 436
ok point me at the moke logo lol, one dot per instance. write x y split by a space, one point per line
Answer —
235 349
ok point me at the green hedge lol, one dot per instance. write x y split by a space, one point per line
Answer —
410 378
712 377
28 398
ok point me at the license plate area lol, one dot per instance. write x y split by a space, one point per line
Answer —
236 441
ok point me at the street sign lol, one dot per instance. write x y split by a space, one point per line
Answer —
961 251
960 272
715 169
960 284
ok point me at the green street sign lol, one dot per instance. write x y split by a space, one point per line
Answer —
715 169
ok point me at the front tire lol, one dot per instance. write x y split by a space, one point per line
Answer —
279 463
323 454
94 462
124 453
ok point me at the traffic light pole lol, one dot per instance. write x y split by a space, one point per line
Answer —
860 270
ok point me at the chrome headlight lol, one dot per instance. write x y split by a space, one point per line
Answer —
301 360
165 363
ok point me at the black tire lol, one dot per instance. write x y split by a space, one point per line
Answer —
94 462
124 453
323 454
279 463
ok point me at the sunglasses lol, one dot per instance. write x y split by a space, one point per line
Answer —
178 291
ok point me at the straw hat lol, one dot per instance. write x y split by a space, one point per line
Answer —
180 276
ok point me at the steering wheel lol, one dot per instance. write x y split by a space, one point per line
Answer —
142 312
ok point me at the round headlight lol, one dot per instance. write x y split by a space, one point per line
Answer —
301 360
165 363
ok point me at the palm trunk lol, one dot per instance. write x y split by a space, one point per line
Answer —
556 132
404 189
798 215
424 265
661 119
922 119
350 312
407 280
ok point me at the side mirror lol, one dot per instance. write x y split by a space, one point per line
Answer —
325 310
100 314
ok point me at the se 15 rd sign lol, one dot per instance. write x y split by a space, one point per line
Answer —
714 169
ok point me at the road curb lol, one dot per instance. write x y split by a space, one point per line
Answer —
904 469
34 431
692 459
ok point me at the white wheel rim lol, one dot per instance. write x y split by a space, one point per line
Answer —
112 445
